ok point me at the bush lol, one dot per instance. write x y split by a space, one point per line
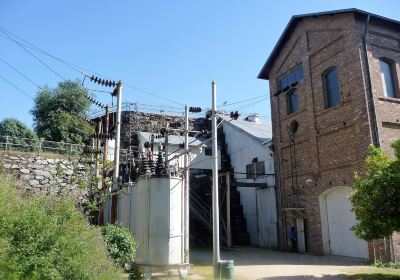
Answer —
120 243
47 238
386 264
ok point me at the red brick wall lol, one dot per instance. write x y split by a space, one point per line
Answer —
331 144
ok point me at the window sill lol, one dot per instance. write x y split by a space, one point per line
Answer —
389 99
327 110
293 114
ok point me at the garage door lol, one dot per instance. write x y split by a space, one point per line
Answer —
342 240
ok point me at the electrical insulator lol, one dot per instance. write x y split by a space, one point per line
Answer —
235 115
96 79
194 109
92 78
163 131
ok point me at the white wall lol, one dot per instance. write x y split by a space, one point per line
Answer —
242 148
126 208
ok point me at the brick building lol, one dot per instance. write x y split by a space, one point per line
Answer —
334 84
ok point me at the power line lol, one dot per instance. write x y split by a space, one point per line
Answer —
154 94
34 56
19 72
35 48
74 66
13 85
243 101
251 104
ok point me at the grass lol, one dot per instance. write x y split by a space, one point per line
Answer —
204 270
375 273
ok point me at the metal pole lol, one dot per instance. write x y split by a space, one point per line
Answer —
105 144
186 191
215 207
228 210
117 136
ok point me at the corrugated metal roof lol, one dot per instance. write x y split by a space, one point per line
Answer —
176 140
261 130
264 73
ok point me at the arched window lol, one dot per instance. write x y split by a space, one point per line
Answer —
331 88
387 78
292 100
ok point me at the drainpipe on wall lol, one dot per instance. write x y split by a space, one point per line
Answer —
278 198
370 97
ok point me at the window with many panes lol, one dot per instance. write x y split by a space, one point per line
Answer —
292 100
291 78
331 88
388 79
255 169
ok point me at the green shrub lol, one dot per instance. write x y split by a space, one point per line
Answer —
386 264
47 238
120 243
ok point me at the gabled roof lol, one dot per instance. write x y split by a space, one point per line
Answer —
261 130
264 73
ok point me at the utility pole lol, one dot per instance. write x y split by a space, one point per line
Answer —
117 136
186 189
105 144
215 207
228 210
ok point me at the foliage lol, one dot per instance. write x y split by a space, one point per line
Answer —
120 243
376 197
381 264
15 128
55 113
47 238
18 130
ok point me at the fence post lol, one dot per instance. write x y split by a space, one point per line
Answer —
40 146
70 151
6 143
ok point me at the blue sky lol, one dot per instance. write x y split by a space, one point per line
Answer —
170 48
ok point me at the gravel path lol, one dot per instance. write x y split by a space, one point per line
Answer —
255 263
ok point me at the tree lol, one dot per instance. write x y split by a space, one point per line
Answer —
20 136
56 113
376 198
15 128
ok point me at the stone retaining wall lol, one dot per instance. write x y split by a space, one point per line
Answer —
49 176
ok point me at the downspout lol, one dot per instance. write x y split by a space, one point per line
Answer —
278 199
370 96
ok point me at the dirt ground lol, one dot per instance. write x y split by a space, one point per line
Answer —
256 263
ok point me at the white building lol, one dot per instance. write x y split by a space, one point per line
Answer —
248 144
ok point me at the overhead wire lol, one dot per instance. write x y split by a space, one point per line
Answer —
33 47
19 72
153 94
16 87
250 104
34 56
74 66
243 101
